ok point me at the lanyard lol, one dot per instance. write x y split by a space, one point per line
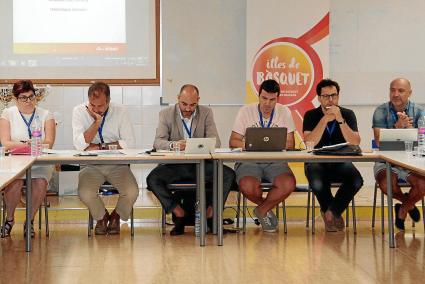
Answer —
100 130
28 123
261 118
187 129
332 128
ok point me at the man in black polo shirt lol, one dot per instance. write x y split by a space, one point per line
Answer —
331 124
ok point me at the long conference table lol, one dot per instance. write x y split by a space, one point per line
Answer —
13 167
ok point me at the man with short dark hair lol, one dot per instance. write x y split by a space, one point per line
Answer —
266 113
96 125
184 120
399 112
326 125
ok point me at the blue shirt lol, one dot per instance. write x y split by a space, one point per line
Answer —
385 116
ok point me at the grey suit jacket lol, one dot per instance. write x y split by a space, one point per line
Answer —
170 126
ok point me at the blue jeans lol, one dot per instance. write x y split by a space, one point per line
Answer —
321 175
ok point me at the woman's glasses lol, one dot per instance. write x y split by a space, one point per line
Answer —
26 98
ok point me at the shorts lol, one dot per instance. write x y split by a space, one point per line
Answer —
400 172
267 171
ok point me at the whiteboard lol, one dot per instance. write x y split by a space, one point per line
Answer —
204 43
373 42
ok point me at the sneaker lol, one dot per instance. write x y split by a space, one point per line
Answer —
329 222
265 222
273 218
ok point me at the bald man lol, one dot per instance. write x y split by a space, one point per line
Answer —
186 119
399 112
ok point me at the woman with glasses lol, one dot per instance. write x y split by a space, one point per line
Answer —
15 131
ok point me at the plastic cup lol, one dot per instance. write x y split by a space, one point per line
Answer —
44 149
408 147
175 147
113 147
2 151
309 146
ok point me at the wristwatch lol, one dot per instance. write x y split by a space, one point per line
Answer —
341 122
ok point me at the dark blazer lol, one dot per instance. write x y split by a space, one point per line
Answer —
170 126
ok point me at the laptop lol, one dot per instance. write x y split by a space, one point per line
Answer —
265 139
393 139
200 145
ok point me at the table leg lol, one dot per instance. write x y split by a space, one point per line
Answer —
220 202
28 211
215 207
390 206
200 168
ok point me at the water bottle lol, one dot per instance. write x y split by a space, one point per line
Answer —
197 220
36 137
421 134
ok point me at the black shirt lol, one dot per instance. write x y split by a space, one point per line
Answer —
312 118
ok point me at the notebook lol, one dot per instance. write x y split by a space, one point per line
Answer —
200 145
265 139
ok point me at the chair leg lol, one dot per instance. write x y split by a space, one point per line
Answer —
132 222
423 212
285 225
244 208
3 213
90 225
347 216
313 213
163 221
375 191
46 216
353 211
382 214
238 209
307 220
40 212
277 212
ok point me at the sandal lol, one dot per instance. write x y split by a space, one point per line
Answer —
32 229
8 225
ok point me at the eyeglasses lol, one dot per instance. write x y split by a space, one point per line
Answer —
333 96
26 98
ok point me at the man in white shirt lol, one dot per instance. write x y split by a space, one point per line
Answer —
266 113
96 125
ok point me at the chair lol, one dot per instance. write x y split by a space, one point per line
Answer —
45 204
106 190
265 186
300 188
174 187
402 184
313 211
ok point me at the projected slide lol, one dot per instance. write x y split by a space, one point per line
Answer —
69 27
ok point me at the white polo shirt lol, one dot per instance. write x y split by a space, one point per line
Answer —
117 127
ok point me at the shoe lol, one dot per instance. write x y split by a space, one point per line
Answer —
414 213
266 223
178 226
102 225
114 223
339 223
399 223
273 218
32 230
329 224
8 225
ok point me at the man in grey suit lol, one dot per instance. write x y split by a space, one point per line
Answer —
186 119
